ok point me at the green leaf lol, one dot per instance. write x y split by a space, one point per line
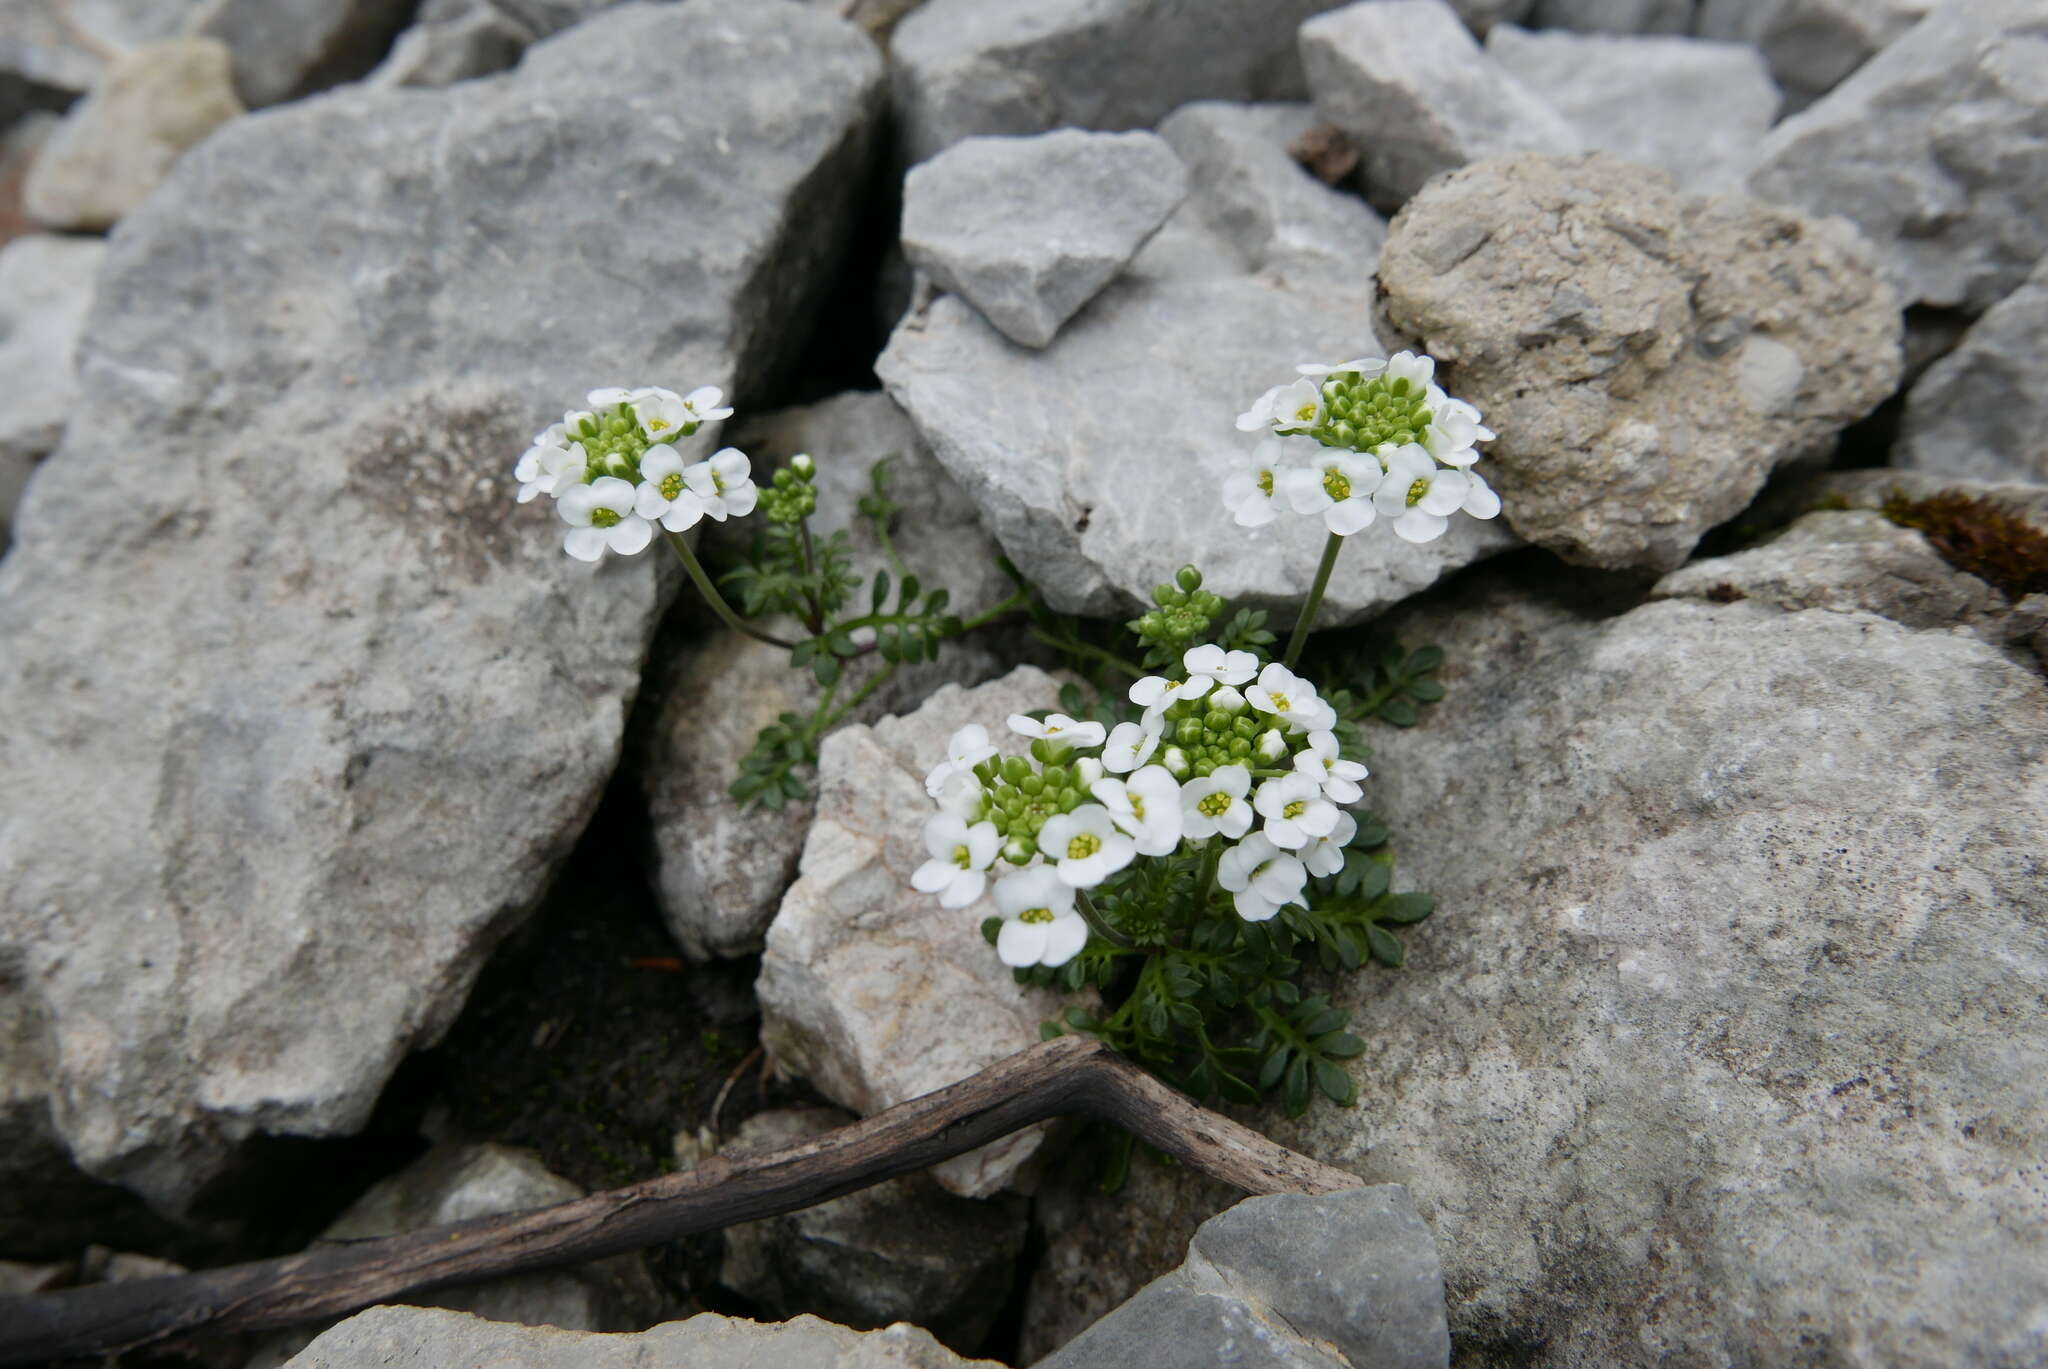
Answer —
1429 691
1406 908
1386 947
1399 712
1269 1072
909 593
990 928
1372 880
1235 1089
1295 1090
935 602
826 668
1425 659
879 593
1338 1045
1048 1030
1335 1083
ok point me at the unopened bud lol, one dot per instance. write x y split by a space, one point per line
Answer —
804 467
1188 578
1272 746
1087 771
1176 762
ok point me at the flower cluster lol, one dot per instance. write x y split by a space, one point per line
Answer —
1232 764
614 473
1360 440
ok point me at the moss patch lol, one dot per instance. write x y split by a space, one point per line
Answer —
1980 536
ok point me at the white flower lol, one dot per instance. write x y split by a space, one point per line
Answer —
724 483
1260 415
1130 746
664 494
1295 811
703 404
1480 500
965 749
1213 663
960 855
662 413
601 517
1453 427
1418 371
1216 804
961 795
1339 486
552 464
1263 878
1289 698
1040 925
1155 692
1325 855
1085 845
1146 808
1058 727
1298 406
1418 493
1337 777
1249 493
1363 367
1272 747
610 397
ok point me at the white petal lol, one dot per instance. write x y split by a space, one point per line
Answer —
1022 943
965 888
630 535
585 544
1064 940
1349 516
933 875
1418 526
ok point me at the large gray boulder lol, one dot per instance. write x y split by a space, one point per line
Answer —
1345 1280
1726 1044
1810 44
1027 230
1410 87
1098 462
967 67
117 144
1694 109
1648 357
1938 149
1982 410
45 289
384 1336
273 616
721 869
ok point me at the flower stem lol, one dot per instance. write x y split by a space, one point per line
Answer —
1020 599
816 621
1100 924
1307 619
712 597
860 696
1210 860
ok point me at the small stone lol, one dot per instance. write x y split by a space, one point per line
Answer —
284 49
870 989
66 46
1982 410
1408 84
1613 16
1810 44
1937 148
384 1336
458 40
1695 109
454 1183
1346 1280
1647 357
904 1250
117 143
1027 230
46 285
968 67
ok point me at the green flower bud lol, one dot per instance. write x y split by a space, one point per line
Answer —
1176 762
1188 578
1032 785
1019 849
1015 768
1055 776
804 467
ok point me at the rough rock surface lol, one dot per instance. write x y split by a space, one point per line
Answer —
1810 44
453 1183
1697 110
1614 16
1938 150
1345 1280
116 144
385 1336
1982 410
901 1251
346 701
1098 462
1727 1042
1647 356
66 46
721 870
45 289
455 40
1408 85
967 67
870 989
1027 230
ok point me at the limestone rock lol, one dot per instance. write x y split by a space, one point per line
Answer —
1810 44
1410 87
870 989
45 289
287 48
456 40
721 869
1648 357
1027 230
1937 149
901 1251
1345 1280
1697 110
1982 410
454 1183
967 67
1098 462
1725 1044
1614 16
66 46
348 702
420 1335
116 145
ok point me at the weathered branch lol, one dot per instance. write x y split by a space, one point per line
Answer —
1070 1076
